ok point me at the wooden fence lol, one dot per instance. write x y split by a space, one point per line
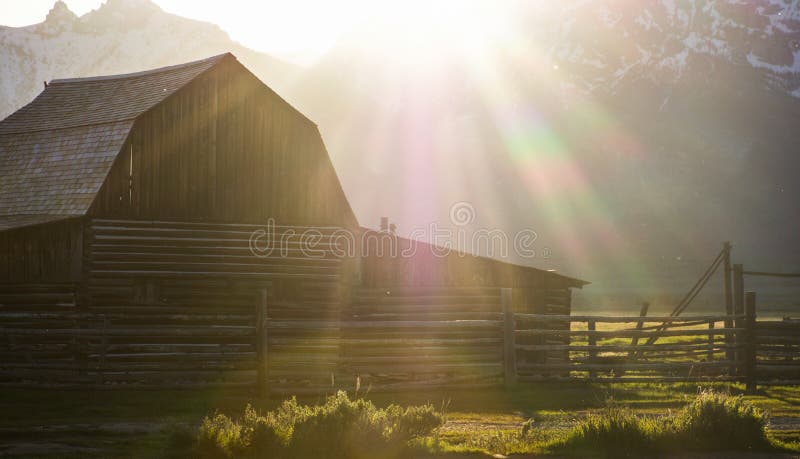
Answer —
777 350
414 339
475 339
630 348
48 340
386 340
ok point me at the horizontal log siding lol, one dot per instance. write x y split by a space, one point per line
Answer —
28 312
128 261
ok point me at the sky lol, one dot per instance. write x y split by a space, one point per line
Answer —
297 30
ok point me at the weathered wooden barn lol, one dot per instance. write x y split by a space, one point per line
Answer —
129 209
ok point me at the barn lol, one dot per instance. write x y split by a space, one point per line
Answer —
131 209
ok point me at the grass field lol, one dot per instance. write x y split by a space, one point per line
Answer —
38 423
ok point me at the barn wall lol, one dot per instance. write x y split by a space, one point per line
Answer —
134 262
45 253
225 149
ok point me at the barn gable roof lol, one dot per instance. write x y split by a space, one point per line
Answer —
73 102
56 152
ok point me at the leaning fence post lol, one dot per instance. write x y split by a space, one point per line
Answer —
750 339
639 325
509 349
262 344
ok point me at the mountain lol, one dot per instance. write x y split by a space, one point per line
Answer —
119 37
632 137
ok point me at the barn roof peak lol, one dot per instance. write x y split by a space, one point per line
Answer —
56 152
122 76
73 102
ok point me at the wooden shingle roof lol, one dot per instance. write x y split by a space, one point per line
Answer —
57 172
56 152
8 222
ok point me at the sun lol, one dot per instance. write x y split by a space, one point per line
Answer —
435 29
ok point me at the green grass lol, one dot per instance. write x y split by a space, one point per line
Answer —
477 421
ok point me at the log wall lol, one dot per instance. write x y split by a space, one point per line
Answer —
27 311
44 253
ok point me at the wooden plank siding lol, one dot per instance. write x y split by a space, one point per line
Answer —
224 148
45 253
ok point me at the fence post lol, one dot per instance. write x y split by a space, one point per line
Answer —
711 326
262 344
509 351
633 355
730 353
750 338
738 309
592 326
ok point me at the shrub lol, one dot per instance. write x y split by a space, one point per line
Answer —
716 421
342 428
339 428
220 437
262 433
418 421
712 421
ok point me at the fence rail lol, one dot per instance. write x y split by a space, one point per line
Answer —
406 340
606 348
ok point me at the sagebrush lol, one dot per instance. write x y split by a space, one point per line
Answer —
716 421
338 428
712 421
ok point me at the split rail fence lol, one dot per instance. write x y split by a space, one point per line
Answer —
470 337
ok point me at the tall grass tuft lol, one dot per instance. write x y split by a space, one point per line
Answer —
338 428
712 421
616 431
717 421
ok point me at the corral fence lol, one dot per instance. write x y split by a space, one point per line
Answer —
382 341
479 340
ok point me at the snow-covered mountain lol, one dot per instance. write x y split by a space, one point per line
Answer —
611 41
670 125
